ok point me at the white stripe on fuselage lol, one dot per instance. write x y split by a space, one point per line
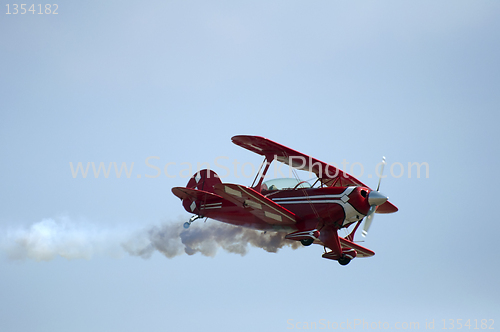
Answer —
310 197
351 215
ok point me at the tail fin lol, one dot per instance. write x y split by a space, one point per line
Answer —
204 180
199 192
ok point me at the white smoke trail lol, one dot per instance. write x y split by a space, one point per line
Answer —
63 237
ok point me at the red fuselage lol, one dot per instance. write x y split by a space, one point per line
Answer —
314 208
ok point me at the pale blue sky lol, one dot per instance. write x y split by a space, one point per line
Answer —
416 81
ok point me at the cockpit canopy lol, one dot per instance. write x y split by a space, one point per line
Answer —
285 184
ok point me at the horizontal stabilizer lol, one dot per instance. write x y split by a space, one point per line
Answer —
197 201
195 194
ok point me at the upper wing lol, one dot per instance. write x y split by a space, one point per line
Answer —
255 203
328 174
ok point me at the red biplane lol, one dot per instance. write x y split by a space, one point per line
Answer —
309 214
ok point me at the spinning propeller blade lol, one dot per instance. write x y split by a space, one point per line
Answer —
368 220
381 172
375 199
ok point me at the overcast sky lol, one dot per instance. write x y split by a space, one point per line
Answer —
123 81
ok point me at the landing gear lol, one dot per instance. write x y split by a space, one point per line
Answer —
307 242
188 223
344 260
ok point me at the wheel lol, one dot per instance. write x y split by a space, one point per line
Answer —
307 242
344 260
186 225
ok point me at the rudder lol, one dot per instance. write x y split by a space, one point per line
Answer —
204 179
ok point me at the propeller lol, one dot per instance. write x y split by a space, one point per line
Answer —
375 199
381 172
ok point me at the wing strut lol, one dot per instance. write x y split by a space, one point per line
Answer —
261 175
350 237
